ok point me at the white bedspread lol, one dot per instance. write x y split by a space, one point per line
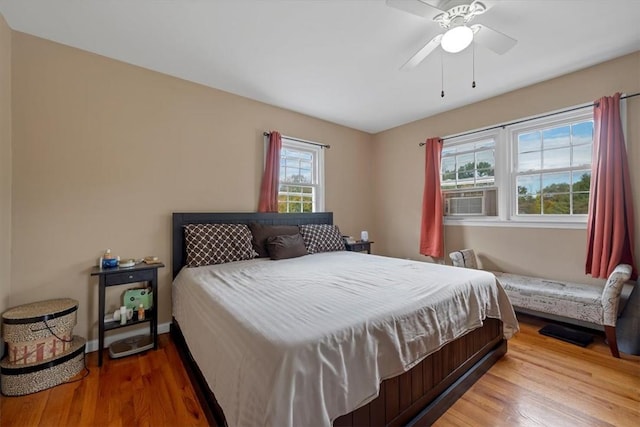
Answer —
299 342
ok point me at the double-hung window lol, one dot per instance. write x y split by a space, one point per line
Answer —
552 168
468 176
301 186
538 171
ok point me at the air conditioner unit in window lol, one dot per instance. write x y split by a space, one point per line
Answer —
464 206
470 203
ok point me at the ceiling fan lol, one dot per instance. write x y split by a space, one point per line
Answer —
454 17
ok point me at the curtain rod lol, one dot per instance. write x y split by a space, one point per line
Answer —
517 122
304 141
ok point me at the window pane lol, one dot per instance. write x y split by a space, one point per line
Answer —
528 205
528 194
528 184
449 169
582 155
556 204
556 182
485 174
580 203
581 180
485 159
528 142
466 166
556 158
556 137
582 132
305 176
529 161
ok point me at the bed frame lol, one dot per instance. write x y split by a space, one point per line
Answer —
417 397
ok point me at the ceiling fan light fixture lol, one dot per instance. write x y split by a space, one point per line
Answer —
457 39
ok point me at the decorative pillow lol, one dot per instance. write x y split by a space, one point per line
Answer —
217 243
321 238
262 232
286 246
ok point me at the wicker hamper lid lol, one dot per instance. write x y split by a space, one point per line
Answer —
39 311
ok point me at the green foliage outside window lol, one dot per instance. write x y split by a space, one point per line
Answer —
555 199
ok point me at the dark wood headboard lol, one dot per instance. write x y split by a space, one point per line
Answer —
178 251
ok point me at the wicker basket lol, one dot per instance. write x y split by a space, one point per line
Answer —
18 380
39 331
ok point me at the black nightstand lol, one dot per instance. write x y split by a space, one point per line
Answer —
121 276
359 246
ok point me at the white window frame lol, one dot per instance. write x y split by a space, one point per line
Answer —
480 136
317 152
494 134
533 125
505 171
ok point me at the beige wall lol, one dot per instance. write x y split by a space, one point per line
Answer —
104 152
5 165
399 174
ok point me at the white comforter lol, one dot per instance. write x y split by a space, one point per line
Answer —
299 342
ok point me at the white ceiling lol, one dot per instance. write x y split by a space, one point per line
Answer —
337 60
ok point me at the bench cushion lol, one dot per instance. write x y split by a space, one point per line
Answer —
574 300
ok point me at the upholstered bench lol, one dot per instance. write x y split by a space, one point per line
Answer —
593 304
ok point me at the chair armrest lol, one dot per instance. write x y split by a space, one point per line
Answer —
464 258
611 293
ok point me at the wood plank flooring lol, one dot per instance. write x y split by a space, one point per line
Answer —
540 382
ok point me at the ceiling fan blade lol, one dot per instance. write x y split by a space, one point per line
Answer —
422 53
415 7
493 39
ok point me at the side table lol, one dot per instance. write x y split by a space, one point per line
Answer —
121 276
359 246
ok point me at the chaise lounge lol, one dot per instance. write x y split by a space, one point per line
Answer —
594 304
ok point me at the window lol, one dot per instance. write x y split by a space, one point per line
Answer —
468 176
469 164
301 177
536 171
553 169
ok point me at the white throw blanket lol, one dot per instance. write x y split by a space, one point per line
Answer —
299 342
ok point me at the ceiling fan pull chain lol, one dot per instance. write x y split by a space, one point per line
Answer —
441 75
473 85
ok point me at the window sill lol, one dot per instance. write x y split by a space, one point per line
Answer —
497 222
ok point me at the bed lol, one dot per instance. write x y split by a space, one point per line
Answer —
385 353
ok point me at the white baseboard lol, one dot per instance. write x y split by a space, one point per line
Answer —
92 345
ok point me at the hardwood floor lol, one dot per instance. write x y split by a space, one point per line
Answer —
540 382
150 389
546 382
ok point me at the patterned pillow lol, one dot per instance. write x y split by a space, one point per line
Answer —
321 238
217 243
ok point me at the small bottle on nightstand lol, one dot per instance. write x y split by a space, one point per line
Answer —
141 312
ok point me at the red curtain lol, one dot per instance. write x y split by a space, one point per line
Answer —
610 225
269 188
432 230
